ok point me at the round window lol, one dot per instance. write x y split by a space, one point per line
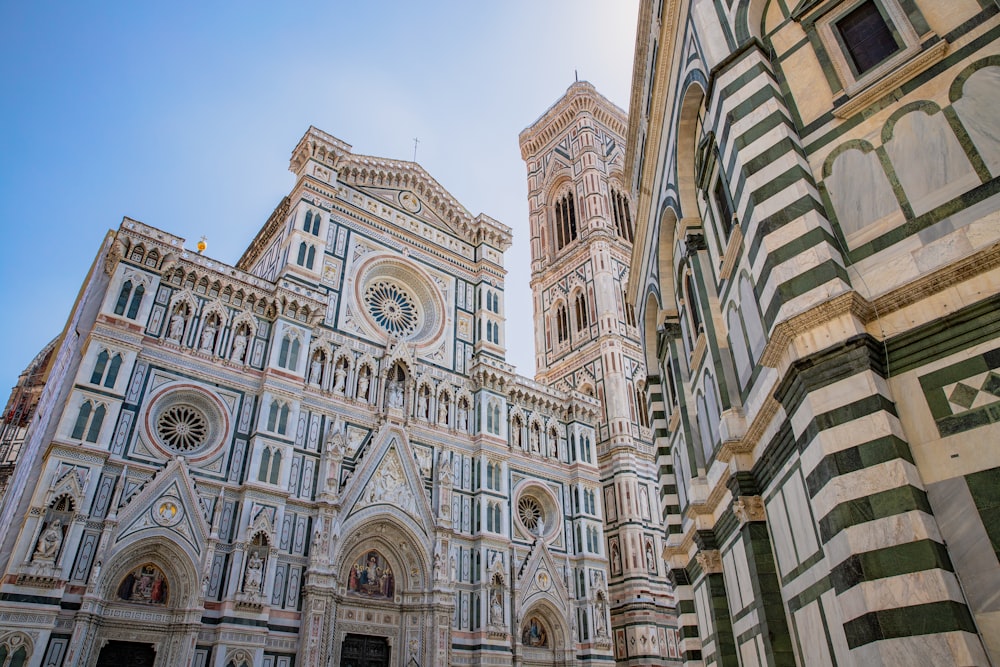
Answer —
529 510
392 308
182 428
183 419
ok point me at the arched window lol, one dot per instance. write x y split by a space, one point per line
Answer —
102 365
564 220
751 318
133 306
562 324
311 257
621 215
89 421
307 225
123 297
277 418
301 258
640 404
270 465
288 355
581 311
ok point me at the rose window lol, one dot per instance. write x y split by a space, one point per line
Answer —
392 308
531 514
183 428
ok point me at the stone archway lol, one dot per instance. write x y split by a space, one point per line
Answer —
542 636
145 604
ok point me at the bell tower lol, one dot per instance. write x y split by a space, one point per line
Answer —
586 339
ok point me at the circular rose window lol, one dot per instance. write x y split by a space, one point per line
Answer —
392 308
531 514
183 428
183 419
537 511
400 300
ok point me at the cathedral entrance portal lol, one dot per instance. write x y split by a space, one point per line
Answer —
126 654
364 651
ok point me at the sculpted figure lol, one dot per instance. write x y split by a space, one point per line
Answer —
239 347
49 542
176 329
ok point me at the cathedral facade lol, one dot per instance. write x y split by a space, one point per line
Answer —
319 456
816 270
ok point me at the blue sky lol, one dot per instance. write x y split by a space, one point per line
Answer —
183 115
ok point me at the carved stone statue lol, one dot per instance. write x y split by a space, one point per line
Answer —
443 412
49 542
363 383
438 567
316 370
395 393
207 338
239 347
600 611
496 609
463 417
340 379
254 575
422 405
176 329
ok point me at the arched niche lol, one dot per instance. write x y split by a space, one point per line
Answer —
688 135
395 547
161 557
977 98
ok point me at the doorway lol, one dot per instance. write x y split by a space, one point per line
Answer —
126 654
364 651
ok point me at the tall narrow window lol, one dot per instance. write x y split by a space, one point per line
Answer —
581 311
133 306
723 206
123 297
691 297
565 221
621 215
307 226
112 376
275 467
99 366
301 258
562 324
265 464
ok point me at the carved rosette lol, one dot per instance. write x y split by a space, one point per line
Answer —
749 508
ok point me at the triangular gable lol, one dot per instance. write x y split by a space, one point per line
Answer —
540 577
388 477
167 505
407 187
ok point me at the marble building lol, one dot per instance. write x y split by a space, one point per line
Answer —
816 269
318 455
587 337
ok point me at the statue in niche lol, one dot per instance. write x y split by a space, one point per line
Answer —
176 327
255 574
496 609
515 433
395 393
443 410
600 610
239 346
438 567
49 542
422 403
363 382
208 337
340 378
316 369
650 560
533 439
463 417
616 559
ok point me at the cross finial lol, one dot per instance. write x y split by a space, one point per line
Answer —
415 142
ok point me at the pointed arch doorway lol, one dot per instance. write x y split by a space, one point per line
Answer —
365 651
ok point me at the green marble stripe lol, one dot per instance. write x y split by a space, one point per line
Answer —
899 559
800 244
801 284
922 619
944 337
872 507
856 458
791 211
809 594
985 489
